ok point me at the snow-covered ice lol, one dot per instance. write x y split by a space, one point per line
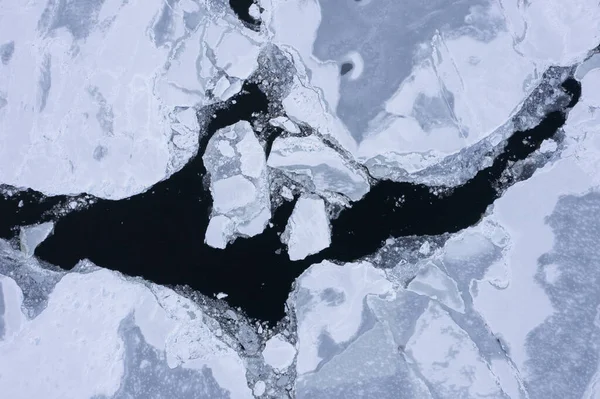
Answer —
239 184
307 231
101 97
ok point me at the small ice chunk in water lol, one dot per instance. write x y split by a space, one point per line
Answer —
307 231
222 295
218 231
279 353
32 236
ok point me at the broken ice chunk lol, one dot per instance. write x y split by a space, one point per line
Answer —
279 353
32 236
218 232
239 185
328 170
307 231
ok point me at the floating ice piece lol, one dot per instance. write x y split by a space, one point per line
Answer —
32 236
279 353
326 168
307 231
236 163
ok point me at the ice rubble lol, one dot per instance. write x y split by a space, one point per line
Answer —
506 308
239 184
307 231
101 97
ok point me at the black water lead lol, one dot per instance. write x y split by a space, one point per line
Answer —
159 234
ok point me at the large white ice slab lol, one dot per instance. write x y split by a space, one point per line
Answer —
239 184
101 97
326 168
307 231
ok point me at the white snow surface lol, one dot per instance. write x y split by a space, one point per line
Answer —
101 97
307 231
77 347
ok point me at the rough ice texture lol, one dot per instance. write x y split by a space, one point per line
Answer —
101 97
326 169
102 335
239 184
307 231
446 79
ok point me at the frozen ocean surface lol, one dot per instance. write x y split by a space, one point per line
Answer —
299 199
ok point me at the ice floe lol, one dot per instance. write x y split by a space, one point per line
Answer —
239 184
307 231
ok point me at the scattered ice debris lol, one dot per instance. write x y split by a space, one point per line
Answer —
32 236
310 161
221 295
239 185
279 353
308 231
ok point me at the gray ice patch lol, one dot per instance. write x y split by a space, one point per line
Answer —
6 52
387 33
3 100
45 81
100 152
105 115
333 297
564 350
147 374
77 16
163 28
371 367
2 328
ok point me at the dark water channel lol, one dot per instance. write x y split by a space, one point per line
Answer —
159 234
